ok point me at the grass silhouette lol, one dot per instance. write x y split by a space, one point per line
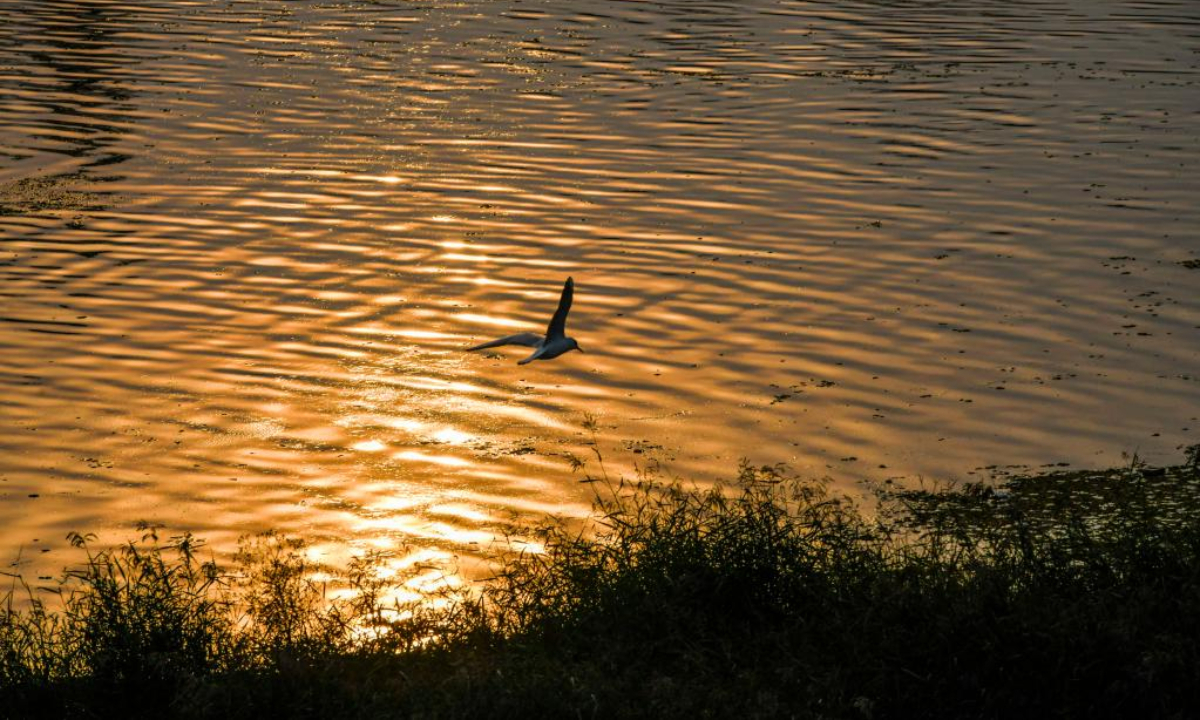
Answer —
1072 594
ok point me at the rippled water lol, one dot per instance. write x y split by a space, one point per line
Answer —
242 245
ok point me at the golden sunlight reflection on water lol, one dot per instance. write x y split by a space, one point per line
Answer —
243 247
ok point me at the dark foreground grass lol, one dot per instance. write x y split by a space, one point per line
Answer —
1061 595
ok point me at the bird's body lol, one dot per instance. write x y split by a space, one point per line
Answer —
554 343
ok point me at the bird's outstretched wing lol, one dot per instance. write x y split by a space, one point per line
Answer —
529 339
558 323
536 354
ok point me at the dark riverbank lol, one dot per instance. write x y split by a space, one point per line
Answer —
1065 595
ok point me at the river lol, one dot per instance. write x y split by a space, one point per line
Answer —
243 245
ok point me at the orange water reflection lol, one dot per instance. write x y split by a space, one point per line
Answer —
242 254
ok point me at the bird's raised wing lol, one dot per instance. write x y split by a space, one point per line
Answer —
558 323
529 339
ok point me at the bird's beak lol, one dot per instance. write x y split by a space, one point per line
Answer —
578 348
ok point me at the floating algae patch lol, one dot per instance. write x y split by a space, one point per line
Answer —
53 193
1061 504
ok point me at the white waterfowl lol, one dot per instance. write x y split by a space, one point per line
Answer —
554 343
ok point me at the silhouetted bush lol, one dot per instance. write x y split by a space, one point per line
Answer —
1063 594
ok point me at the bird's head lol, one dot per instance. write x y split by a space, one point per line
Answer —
574 344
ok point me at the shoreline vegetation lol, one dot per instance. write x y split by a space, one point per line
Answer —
1066 594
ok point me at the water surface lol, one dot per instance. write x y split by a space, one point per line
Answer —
242 245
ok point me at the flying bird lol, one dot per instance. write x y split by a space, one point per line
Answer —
554 343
